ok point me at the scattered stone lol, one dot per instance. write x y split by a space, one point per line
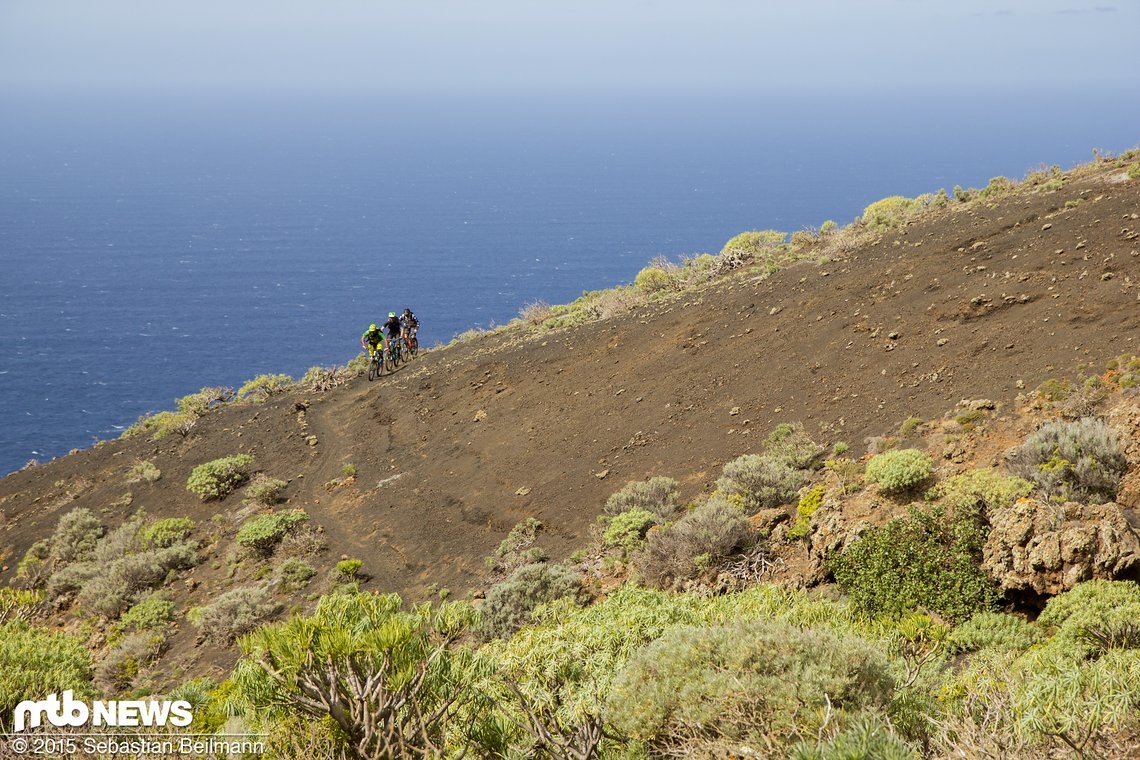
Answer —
523 491
894 335
1046 227
311 440
943 341
602 475
734 411
1107 276
480 415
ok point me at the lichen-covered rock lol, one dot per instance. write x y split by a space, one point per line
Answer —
832 532
1049 548
1128 493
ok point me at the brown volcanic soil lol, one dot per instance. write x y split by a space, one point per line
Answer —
572 415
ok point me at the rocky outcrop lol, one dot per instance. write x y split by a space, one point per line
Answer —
1046 548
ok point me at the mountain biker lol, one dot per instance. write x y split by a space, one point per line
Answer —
393 326
372 338
410 323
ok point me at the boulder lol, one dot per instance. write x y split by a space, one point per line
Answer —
1046 548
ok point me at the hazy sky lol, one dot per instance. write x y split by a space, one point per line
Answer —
473 44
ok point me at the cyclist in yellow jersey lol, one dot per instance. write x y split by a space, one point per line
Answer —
372 338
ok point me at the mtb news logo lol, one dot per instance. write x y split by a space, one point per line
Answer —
69 711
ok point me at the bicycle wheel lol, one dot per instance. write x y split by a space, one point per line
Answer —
413 347
373 370
389 361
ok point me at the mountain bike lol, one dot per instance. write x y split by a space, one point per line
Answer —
393 356
376 365
413 345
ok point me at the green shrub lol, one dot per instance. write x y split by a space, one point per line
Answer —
518 547
1059 694
349 471
1134 171
791 445
997 187
120 571
166 532
696 546
702 263
295 574
809 503
909 425
155 611
143 471
262 533
899 471
201 402
866 738
754 243
969 420
1054 390
114 586
848 471
349 568
657 495
162 424
985 489
626 530
763 683
888 212
568 657
418 683
74 540
756 481
927 560
1093 607
233 613
127 659
36 662
510 604
17 604
218 478
993 630
654 279
1081 460
33 568
76 535
263 386
264 491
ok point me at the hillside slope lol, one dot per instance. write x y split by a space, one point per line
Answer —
453 450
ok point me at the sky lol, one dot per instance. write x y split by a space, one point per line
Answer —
439 45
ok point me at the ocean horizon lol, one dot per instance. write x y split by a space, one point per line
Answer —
155 243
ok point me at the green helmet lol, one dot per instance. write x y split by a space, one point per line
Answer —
372 327
391 314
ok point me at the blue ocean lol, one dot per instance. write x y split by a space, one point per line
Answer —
151 244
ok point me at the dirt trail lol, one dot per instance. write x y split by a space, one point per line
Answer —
457 447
